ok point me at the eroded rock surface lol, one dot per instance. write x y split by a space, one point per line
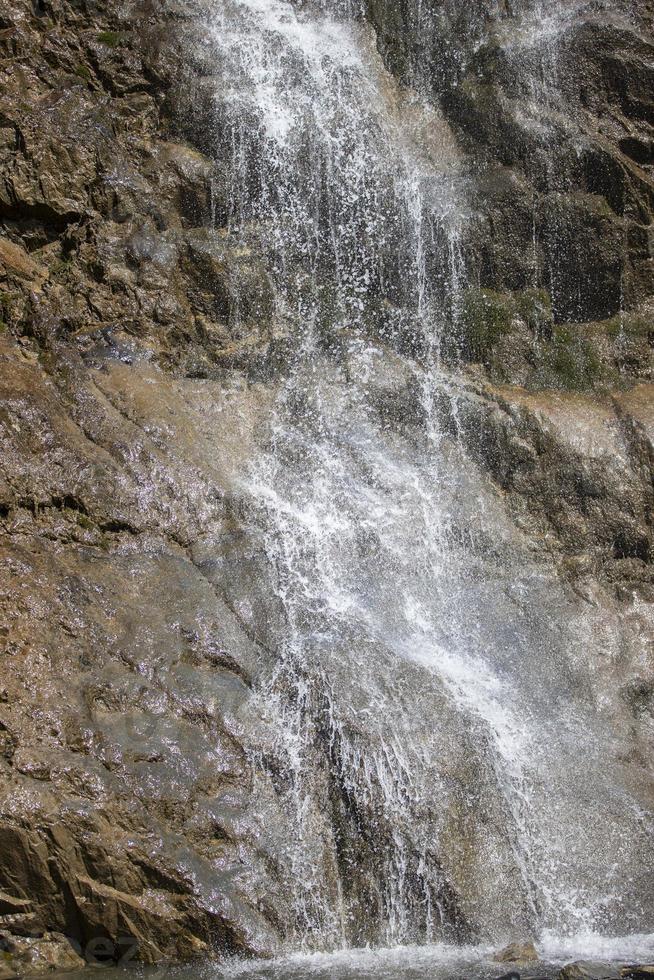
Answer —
125 795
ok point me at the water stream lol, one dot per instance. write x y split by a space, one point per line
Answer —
444 765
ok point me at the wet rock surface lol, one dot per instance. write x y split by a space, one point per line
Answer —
125 791
555 108
134 775
35 954
589 970
585 484
519 954
139 356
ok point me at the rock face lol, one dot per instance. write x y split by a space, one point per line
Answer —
125 788
122 714
141 348
556 112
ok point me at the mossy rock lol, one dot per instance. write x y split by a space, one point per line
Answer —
534 306
569 361
514 336
85 522
111 39
609 353
486 317
632 325
61 269
6 309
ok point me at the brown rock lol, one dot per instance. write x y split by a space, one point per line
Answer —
11 906
16 260
518 953
28 956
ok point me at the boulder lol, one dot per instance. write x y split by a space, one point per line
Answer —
589 970
27 956
518 953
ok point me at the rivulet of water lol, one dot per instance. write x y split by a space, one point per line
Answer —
443 768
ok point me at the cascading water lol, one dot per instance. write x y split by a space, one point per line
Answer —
444 768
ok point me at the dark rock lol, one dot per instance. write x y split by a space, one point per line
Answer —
564 192
13 906
569 476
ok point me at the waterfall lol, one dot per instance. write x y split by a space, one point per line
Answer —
444 768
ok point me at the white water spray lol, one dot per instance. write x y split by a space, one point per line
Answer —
440 779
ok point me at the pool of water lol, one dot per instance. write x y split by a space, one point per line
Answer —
441 962
409 962
403 963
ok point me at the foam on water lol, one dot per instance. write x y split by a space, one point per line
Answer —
635 948
421 963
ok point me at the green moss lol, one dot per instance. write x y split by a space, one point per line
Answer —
83 72
570 361
570 357
111 39
5 311
563 334
61 268
534 306
85 522
612 327
486 318
632 325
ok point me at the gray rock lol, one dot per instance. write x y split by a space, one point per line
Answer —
589 970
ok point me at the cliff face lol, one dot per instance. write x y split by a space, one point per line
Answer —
555 109
140 353
124 788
